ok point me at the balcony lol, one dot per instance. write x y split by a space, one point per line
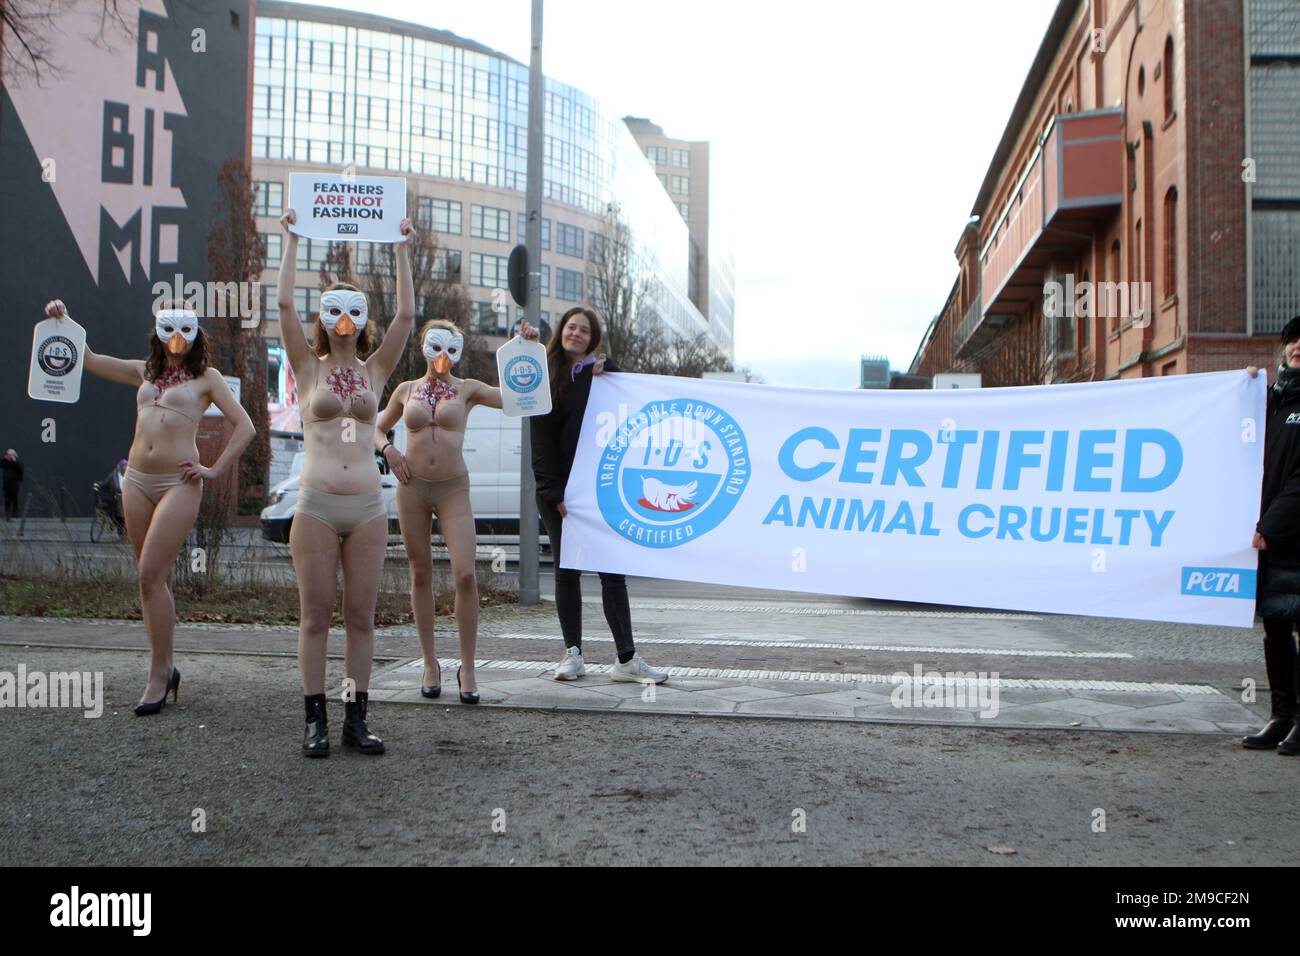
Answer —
1071 188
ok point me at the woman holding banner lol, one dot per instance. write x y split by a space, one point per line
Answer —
572 360
434 480
163 482
1277 536
340 518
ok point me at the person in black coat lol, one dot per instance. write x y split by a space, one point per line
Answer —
572 360
13 476
1277 536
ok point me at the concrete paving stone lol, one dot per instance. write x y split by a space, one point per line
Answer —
1239 727
802 706
518 685
1127 698
1137 720
853 698
584 699
1084 706
796 688
619 691
1214 709
1035 716
959 715
744 692
685 704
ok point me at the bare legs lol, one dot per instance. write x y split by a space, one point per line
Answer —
317 552
456 522
157 533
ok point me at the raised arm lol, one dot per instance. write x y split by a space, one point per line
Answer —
124 371
221 396
481 393
385 358
291 334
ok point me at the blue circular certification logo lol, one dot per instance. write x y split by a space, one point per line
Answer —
523 373
57 355
672 472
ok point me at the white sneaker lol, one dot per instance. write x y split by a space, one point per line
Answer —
638 671
572 667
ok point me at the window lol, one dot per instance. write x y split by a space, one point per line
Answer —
663 178
440 215
486 320
684 209
1171 242
446 265
546 281
568 240
1114 276
1169 77
598 247
487 222
657 155
306 299
487 271
1086 324
546 231
681 159
681 185
274 249
269 198
568 285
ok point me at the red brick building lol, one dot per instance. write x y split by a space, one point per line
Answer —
1141 214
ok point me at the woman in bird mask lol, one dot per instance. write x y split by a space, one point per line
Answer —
340 517
163 482
433 480
572 360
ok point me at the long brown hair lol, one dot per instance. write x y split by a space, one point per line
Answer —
321 339
557 360
195 360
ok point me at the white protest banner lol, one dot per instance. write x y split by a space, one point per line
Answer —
348 208
1134 498
58 359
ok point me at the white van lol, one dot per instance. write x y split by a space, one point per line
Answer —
492 455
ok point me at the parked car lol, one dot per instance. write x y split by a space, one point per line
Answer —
492 455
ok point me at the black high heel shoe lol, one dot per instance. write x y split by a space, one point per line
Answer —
153 706
434 692
466 697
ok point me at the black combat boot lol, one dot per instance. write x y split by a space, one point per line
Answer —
355 732
316 742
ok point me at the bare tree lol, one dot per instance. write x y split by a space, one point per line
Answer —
625 290
26 28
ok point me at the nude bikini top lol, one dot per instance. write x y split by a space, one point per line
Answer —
169 393
434 403
345 393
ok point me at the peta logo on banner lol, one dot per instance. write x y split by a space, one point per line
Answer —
347 229
672 472
524 373
1219 582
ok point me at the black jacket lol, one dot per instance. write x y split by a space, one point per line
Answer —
13 472
1279 506
555 436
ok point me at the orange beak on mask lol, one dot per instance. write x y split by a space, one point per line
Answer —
345 326
442 363
176 344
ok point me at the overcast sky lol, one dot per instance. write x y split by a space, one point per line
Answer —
848 142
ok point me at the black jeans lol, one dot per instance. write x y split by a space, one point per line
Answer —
11 501
568 595
1282 665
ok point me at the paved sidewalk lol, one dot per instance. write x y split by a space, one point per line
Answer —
1021 703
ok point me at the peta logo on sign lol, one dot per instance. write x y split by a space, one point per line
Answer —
1219 582
672 472
347 228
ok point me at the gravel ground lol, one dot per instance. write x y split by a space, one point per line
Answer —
601 789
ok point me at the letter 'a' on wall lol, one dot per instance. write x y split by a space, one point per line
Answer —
714 481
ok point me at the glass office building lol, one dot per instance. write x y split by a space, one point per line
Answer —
333 87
